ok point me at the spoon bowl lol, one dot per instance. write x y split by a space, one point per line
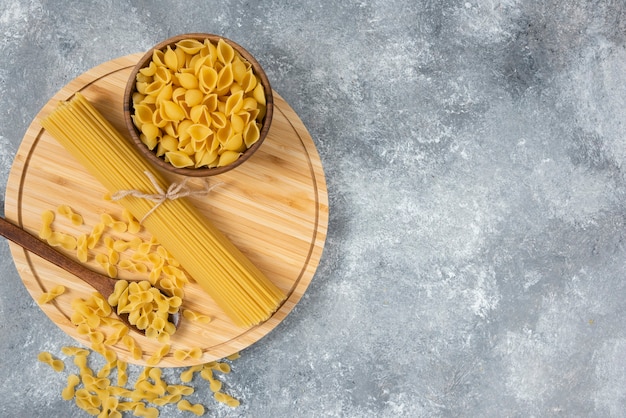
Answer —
103 284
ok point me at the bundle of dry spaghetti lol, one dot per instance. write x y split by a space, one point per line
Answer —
239 288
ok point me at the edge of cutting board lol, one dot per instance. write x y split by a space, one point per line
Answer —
274 208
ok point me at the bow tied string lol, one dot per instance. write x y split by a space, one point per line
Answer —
173 192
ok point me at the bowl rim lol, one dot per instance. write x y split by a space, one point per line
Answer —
206 171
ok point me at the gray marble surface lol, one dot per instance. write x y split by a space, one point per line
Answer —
473 152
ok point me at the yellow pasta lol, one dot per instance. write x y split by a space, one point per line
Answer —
163 263
188 94
132 225
99 304
96 339
119 331
107 265
121 245
215 365
122 375
226 399
47 217
214 384
109 354
185 405
164 400
69 213
145 374
155 274
180 390
48 297
109 242
148 390
82 248
169 286
80 360
99 396
158 355
70 389
95 235
135 243
187 375
132 346
121 392
105 370
109 221
132 266
239 288
234 356
59 239
155 374
93 383
144 248
151 387
173 272
196 317
114 256
147 308
56 364
88 314
74 351
193 353
110 407
87 401
118 292
157 260
140 410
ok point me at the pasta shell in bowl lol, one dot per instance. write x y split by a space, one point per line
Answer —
198 104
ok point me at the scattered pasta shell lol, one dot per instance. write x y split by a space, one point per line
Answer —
179 159
225 52
194 96
56 364
48 297
185 405
187 80
190 46
47 217
228 157
172 111
225 79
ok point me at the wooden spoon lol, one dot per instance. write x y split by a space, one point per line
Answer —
103 284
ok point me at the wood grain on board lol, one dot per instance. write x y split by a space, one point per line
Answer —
274 208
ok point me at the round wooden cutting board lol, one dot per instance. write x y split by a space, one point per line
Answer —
274 208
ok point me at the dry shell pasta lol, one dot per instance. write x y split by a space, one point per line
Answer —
198 104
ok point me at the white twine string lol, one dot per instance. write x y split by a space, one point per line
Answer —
175 191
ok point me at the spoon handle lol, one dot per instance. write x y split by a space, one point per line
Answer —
31 243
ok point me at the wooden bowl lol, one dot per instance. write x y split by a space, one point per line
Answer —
131 88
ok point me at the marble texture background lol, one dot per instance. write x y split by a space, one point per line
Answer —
473 152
